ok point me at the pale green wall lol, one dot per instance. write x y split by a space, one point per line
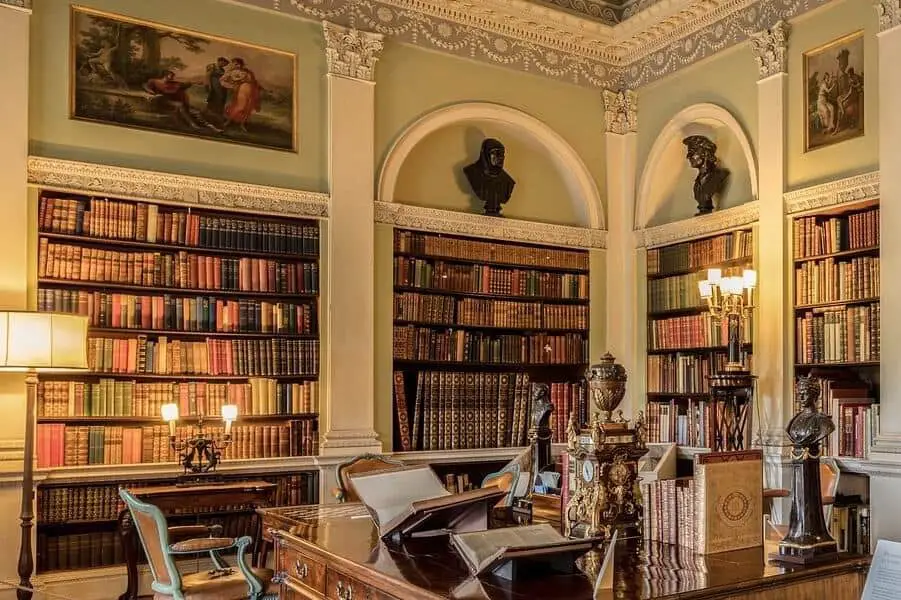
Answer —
53 134
413 82
859 155
433 176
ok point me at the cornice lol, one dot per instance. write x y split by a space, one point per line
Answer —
834 193
695 227
96 179
501 228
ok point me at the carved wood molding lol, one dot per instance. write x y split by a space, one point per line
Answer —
695 227
833 193
96 179
500 228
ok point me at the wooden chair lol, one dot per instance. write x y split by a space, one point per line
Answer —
363 463
220 583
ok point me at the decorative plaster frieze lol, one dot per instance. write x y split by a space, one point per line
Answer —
889 12
842 191
769 48
95 179
695 227
621 111
501 228
23 4
350 52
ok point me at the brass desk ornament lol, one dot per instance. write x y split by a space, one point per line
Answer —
603 460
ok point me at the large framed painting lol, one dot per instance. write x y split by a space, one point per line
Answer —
833 78
151 76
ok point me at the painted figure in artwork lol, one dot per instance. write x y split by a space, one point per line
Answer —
169 93
490 182
216 94
245 93
711 177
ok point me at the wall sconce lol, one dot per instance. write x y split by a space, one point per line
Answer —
200 453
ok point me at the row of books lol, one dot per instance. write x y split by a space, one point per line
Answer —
692 331
831 281
818 235
850 526
688 423
486 279
423 343
567 399
143 222
679 291
856 428
446 310
452 411
669 511
175 269
700 253
844 335
434 245
117 398
188 314
685 373
213 356
101 502
60 445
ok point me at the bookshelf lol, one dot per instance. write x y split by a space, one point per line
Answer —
476 323
685 343
194 306
837 318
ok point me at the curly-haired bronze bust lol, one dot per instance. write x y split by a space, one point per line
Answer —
711 177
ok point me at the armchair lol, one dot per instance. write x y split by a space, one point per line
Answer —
220 583
363 463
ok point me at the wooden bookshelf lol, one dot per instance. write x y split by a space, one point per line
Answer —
199 307
476 323
835 258
685 343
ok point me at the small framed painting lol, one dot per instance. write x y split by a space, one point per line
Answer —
150 76
834 88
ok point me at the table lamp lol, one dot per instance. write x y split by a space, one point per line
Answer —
33 342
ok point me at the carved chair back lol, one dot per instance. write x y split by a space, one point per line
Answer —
153 532
363 463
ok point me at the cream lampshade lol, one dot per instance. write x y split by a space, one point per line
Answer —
42 341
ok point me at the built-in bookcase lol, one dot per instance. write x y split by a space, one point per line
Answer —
837 318
685 343
196 307
476 323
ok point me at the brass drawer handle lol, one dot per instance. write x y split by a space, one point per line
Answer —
344 593
301 569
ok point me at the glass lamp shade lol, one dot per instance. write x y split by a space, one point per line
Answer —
43 341
750 278
706 289
169 412
229 412
714 276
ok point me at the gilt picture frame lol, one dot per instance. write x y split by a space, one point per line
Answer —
834 92
146 75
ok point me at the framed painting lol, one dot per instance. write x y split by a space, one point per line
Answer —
834 88
150 76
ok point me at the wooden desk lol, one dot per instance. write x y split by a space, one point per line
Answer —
195 500
334 552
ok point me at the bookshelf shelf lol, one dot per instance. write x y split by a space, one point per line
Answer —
867 251
490 296
824 365
524 330
158 246
698 350
723 264
495 263
836 303
103 285
487 365
677 312
83 459
666 396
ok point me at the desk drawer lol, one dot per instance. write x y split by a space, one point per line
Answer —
301 568
343 587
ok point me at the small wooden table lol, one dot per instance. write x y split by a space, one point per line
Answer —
191 500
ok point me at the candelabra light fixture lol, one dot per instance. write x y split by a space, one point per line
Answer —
200 453
730 299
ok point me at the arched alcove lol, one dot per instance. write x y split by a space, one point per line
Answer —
665 188
464 122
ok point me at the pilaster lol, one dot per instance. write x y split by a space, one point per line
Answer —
621 121
351 56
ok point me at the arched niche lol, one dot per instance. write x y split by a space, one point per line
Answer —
665 189
461 128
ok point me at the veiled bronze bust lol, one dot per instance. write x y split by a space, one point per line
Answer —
490 183
711 177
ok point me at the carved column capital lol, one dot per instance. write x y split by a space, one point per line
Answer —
350 52
621 111
769 48
889 12
26 4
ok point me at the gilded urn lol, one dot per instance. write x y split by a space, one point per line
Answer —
607 385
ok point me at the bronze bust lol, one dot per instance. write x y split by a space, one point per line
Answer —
540 432
711 177
809 426
490 183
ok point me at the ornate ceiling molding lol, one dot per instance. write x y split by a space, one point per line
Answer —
95 179
23 4
500 228
621 111
350 52
695 227
889 12
769 48
834 193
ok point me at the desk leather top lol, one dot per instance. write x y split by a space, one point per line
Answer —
643 570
